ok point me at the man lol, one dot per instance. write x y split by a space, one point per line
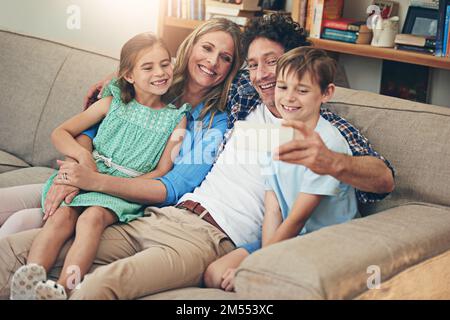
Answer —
172 246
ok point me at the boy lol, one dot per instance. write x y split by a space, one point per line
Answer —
298 201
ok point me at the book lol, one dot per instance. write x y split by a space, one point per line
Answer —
446 32
316 23
298 13
361 37
302 17
440 28
415 48
413 40
343 24
318 10
333 9
309 15
333 34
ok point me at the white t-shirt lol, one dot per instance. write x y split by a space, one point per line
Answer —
233 191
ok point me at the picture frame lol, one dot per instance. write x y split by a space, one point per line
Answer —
421 22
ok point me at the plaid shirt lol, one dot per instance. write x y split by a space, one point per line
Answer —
243 99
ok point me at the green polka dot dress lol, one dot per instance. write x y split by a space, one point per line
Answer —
133 136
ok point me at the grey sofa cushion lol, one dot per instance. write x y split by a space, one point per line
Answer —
9 162
332 263
413 136
42 85
29 67
25 176
79 71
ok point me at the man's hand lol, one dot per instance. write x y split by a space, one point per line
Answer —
56 195
310 151
228 279
95 92
76 175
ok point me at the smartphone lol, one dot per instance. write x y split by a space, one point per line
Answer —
261 137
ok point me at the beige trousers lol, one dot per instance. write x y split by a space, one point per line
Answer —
168 248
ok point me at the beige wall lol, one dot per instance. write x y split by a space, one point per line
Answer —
105 25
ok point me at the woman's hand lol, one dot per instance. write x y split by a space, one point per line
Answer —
76 175
88 161
95 92
228 279
56 195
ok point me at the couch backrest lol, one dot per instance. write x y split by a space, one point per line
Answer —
414 137
42 84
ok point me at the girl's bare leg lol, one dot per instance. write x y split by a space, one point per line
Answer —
56 231
89 228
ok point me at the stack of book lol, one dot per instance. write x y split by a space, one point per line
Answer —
411 42
443 30
346 30
319 10
237 11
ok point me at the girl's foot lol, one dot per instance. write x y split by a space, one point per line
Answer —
25 280
50 290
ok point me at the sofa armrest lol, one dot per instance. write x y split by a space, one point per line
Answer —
333 263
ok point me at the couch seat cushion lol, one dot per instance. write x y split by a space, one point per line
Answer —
24 176
9 162
336 262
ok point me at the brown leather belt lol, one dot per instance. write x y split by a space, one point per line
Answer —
199 210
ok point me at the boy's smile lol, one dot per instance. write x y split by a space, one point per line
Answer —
299 98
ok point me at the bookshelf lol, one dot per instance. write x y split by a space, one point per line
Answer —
174 30
366 50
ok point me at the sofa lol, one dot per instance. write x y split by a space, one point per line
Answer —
399 249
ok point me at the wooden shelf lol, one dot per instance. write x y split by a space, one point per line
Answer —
173 30
366 50
182 23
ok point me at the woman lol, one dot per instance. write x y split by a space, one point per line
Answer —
207 61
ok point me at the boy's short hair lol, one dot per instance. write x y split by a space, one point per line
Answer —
320 66
275 27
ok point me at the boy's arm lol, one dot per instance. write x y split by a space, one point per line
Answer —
294 223
63 136
171 151
272 216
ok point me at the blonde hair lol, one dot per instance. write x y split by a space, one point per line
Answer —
216 98
316 62
128 59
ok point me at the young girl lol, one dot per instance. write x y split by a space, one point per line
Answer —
297 200
137 138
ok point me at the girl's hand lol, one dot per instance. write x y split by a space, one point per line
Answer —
228 279
76 175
